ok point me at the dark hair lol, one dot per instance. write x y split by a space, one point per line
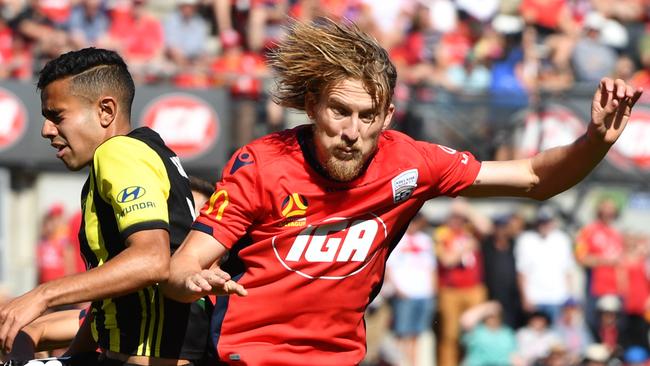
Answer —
202 186
93 71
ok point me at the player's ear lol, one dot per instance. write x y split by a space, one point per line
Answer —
388 117
311 103
107 110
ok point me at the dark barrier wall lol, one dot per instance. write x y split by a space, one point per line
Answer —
194 123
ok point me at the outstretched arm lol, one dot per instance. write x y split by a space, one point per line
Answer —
556 170
143 263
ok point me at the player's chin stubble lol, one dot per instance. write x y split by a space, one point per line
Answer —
344 170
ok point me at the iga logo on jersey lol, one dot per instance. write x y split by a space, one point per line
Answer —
186 123
333 249
13 119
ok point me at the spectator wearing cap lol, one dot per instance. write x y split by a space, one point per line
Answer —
608 331
599 248
186 34
636 356
535 340
558 355
500 272
596 355
545 265
592 58
572 331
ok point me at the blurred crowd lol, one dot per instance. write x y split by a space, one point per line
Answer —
514 50
516 290
512 46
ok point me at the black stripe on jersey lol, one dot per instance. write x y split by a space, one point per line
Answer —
149 225
158 322
86 252
106 221
199 226
125 317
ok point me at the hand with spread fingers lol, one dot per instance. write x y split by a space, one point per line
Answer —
17 313
611 108
213 281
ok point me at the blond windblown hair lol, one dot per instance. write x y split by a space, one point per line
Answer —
315 56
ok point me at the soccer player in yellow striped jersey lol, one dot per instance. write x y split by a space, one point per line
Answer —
137 208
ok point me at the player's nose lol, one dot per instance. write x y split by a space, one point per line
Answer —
49 129
351 129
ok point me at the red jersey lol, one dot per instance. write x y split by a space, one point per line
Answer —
311 251
602 241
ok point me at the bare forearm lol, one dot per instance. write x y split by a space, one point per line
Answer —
560 168
129 271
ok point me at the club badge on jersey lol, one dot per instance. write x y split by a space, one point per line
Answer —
404 185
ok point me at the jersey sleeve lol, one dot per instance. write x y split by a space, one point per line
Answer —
233 206
132 178
450 171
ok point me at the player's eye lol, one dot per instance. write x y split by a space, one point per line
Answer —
367 117
339 112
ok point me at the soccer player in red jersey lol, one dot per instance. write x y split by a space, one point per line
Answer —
309 216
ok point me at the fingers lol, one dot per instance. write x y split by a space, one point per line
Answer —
207 280
636 96
196 283
11 335
4 330
232 287
613 93
620 88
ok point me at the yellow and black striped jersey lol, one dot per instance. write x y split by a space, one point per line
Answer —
137 183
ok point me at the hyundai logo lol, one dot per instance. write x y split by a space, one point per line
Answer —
129 194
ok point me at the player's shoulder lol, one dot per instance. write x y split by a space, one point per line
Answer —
396 138
398 144
126 148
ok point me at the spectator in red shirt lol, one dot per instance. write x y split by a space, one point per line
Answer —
636 290
460 271
242 72
139 37
53 256
599 248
